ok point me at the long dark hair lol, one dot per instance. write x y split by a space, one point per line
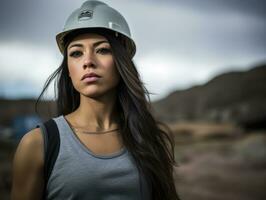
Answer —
149 141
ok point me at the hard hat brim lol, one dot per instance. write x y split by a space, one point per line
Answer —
129 43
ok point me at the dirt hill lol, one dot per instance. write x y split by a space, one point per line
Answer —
237 97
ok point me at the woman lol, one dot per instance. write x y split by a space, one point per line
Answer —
111 146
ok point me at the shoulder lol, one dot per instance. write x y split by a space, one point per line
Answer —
31 147
28 162
32 139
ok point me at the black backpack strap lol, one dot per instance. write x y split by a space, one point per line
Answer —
52 144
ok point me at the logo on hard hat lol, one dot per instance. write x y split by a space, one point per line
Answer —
85 15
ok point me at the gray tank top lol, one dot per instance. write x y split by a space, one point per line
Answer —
79 174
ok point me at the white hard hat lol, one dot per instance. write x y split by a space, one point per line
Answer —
96 14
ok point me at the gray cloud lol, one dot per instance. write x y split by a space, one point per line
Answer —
177 37
256 8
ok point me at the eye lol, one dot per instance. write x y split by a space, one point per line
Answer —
104 50
75 53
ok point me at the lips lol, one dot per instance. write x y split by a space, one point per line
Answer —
92 74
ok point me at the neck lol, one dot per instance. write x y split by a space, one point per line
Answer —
98 114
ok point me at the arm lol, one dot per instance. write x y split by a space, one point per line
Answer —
27 174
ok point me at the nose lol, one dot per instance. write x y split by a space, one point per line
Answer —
89 60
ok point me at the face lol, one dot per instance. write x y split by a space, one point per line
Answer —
91 53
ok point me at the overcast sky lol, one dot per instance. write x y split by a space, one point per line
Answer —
180 43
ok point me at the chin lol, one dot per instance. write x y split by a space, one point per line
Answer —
92 93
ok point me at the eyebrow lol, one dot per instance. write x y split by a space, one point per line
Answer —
94 44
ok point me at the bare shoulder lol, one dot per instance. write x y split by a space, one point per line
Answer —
28 162
33 138
31 146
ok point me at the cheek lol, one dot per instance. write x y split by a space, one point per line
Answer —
113 73
73 69
114 77
74 74
107 63
109 66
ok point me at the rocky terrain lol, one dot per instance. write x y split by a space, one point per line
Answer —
219 166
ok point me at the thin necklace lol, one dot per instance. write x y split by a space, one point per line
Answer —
93 132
